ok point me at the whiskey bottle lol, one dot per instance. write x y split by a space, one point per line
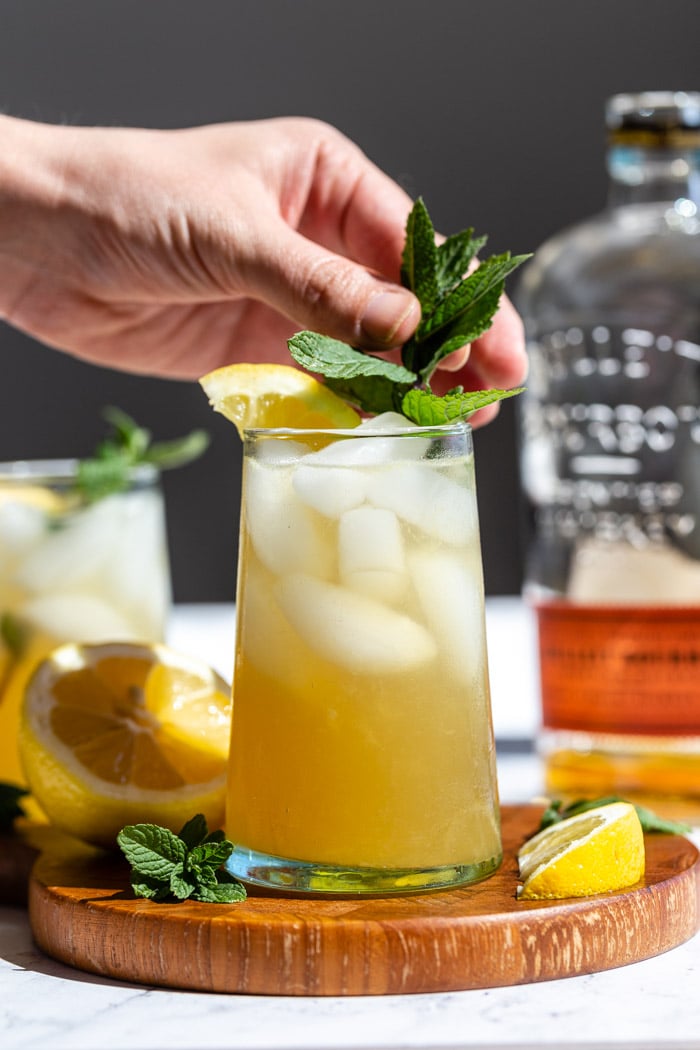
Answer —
611 468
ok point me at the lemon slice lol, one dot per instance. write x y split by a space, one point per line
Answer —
266 396
42 499
598 851
121 734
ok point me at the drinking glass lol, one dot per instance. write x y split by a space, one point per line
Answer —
362 757
72 570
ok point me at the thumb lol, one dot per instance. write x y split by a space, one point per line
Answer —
328 293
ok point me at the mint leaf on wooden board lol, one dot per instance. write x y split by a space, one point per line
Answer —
186 866
11 804
650 821
152 850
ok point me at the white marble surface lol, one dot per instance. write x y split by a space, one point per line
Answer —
655 1003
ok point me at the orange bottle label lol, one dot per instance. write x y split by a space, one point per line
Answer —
620 669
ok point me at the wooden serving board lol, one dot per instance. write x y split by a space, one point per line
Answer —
17 858
83 913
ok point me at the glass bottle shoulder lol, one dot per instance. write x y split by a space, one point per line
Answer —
614 257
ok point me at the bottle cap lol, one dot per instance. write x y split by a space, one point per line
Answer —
654 119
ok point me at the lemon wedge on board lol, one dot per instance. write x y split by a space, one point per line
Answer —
598 851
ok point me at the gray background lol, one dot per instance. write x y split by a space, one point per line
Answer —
491 111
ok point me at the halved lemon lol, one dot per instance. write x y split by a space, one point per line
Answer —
598 851
266 396
123 733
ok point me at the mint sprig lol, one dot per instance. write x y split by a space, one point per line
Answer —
165 866
129 446
456 308
650 821
10 805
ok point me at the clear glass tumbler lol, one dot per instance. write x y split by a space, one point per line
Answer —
72 570
362 756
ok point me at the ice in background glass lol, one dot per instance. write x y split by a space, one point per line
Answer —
362 752
72 570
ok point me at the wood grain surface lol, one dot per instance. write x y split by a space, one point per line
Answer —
83 913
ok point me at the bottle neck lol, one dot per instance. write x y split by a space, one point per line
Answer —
640 175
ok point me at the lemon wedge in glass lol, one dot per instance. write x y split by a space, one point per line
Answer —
123 733
266 396
598 851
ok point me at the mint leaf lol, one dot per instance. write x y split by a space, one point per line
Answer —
109 469
330 357
419 263
152 850
489 275
650 821
454 257
210 853
150 888
129 436
372 383
184 866
371 394
177 453
428 409
223 893
10 805
194 831
467 327
103 476
182 884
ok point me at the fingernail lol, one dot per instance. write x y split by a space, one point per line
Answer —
384 315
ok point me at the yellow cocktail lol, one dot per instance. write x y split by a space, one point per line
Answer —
362 751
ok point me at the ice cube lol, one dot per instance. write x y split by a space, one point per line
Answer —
284 533
350 630
359 451
329 490
422 496
387 421
136 579
80 545
21 527
278 451
371 554
265 636
77 617
450 593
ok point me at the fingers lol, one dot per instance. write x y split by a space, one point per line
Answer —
327 293
354 208
499 355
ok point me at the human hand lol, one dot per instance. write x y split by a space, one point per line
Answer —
175 252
